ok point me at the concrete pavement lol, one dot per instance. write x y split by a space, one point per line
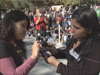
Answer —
41 68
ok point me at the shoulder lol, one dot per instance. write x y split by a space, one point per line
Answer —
95 50
4 49
95 53
3 43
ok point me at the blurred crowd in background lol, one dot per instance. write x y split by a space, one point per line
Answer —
55 18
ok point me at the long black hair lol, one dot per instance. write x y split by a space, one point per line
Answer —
7 26
7 23
87 18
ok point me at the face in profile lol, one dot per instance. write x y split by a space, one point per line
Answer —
20 29
78 31
38 12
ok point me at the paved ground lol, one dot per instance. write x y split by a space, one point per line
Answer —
41 68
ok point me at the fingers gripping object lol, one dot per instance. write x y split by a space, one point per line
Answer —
43 41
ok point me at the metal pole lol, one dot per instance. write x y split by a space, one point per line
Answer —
59 34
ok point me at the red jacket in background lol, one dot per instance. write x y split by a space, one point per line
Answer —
59 17
41 22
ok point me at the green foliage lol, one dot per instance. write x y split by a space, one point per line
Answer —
61 2
32 4
72 2
4 4
21 4
1 4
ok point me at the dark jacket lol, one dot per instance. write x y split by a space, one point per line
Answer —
89 65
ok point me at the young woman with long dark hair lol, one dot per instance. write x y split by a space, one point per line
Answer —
83 49
13 60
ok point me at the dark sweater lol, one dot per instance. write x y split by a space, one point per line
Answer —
85 66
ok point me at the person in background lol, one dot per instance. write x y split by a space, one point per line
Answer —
64 38
60 18
69 22
98 11
40 22
47 14
13 60
63 11
44 11
83 50
50 11
30 16
65 24
55 34
30 30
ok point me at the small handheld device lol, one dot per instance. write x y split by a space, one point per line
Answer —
46 54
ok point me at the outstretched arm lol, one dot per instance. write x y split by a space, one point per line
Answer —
8 67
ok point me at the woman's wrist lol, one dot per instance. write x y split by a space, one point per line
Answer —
34 57
56 63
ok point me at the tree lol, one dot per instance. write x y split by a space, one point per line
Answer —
21 4
32 4
4 4
65 3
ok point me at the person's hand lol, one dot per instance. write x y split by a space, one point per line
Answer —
59 18
50 60
40 15
36 50
52 49
57 22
